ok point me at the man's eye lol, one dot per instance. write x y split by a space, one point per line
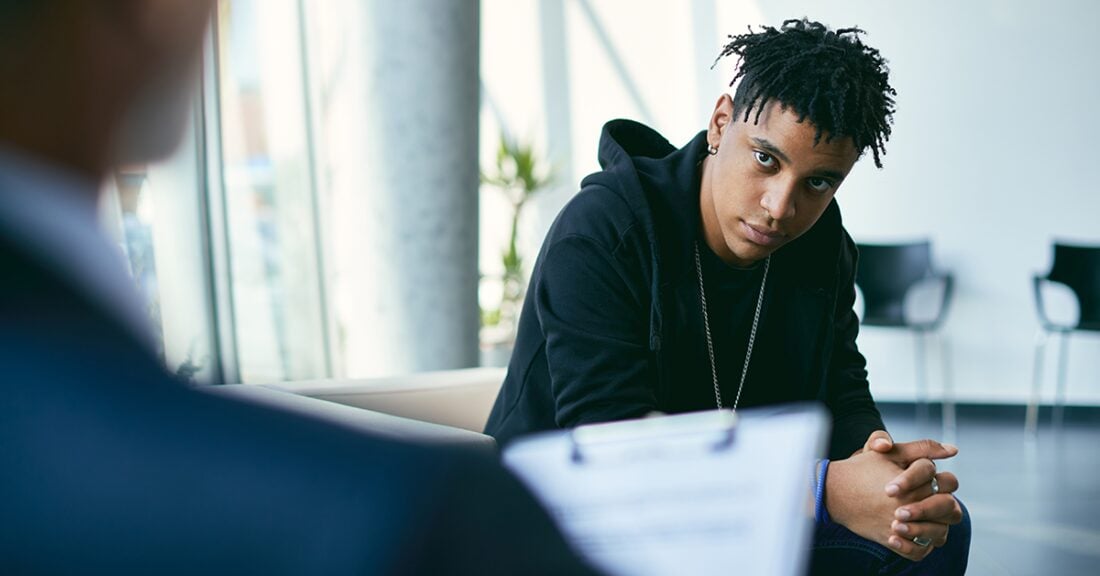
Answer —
819 184
764 159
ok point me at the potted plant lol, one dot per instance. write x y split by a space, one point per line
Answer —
519 174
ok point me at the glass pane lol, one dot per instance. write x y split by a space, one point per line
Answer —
154 213
269 204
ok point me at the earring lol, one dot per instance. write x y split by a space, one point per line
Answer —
712 150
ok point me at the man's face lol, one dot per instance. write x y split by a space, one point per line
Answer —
169 33
768 183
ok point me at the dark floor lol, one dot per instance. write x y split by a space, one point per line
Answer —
1035 505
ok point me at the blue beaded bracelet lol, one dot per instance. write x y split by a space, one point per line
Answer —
821 514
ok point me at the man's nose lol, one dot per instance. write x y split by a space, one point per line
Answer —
779 200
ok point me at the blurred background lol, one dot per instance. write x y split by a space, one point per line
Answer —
326 217
365 185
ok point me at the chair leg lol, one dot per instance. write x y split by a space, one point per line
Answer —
948 390
921 357
1031 420
1060 391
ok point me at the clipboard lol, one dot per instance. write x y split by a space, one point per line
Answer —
711 492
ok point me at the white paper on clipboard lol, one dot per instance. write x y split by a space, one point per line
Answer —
702 493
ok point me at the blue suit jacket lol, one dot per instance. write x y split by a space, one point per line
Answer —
110 466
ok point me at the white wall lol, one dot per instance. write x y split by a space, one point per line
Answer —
991 157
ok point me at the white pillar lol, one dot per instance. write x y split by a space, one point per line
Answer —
704 35
400 114
553 35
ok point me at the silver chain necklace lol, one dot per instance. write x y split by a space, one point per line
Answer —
752 334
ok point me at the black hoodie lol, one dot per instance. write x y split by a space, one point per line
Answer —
612 328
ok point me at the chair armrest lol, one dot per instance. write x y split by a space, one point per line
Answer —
1037 283
948 281
1037 287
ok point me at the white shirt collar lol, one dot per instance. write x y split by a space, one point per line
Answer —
53 214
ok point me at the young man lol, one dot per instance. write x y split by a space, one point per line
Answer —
108 465
720 275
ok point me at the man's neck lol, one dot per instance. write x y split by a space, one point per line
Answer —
51 213
711 228
83 179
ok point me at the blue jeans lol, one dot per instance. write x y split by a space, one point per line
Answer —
838 550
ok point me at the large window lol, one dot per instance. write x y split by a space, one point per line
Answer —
268 192
155 213
220 239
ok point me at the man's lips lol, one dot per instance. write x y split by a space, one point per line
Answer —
762 235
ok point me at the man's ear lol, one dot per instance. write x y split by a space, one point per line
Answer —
720 119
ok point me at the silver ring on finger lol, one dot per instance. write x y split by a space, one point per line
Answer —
935 485
922 541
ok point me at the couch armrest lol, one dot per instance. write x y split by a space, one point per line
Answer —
458 398
374 423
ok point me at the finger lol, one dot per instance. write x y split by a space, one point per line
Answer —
934 531
918 474
941 508
908 549
949 483
910 451
879 441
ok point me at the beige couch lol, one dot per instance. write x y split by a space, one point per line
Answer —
441 407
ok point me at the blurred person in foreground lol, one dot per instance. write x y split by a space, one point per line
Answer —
110 466
673 268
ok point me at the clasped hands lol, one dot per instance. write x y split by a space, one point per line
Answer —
884 493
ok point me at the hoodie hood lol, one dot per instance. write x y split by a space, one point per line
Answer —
638 158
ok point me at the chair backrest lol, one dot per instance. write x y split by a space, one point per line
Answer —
884 275
1079 268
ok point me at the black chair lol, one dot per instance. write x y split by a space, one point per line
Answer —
885 275
1077 268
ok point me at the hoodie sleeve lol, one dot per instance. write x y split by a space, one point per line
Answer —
594 314
849 396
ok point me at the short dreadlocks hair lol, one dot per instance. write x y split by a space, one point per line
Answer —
830 77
